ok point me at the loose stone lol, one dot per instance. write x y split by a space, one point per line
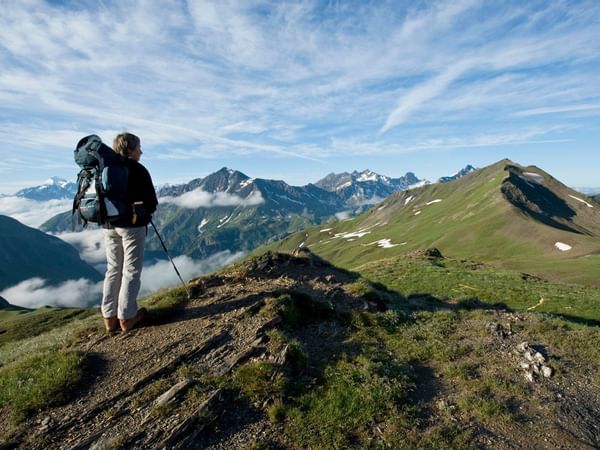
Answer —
522 346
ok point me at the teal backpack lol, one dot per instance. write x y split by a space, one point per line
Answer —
102 183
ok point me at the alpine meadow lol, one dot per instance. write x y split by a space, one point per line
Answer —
309 224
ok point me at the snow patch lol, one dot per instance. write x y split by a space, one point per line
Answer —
351 234
325 229
385 243
367 176
407 201
437 200
417 213
536 177
285 197
343 215
224 220
562 246
301 245
581 200
245 183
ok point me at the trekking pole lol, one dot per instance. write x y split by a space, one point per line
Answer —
189 294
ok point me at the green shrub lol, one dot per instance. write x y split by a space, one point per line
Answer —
276 411
259 381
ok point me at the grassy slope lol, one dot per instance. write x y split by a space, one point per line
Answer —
472 220
455 281
16 325
374 391
39 364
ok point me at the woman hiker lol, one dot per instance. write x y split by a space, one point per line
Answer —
124 240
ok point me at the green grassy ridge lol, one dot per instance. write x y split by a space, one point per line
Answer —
18 325
28 252
369 396
454 280
473 220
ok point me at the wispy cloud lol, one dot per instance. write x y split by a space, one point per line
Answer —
422 94
559 109
202 79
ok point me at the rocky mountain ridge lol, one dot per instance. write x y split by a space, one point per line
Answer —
366 187
461 173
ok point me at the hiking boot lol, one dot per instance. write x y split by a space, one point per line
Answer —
128 324
111 324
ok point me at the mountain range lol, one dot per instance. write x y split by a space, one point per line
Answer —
227 210
358 189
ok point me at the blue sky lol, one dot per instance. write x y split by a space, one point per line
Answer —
294 90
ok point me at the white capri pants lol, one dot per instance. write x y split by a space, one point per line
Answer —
124 258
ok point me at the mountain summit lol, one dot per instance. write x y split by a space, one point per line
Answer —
461 173
53 189
366 187
520 217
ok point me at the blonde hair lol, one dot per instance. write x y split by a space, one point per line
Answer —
125 143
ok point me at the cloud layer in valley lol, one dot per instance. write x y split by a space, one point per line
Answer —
35 292
202 199
32 213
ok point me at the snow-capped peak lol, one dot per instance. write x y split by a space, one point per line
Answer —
56 181
367 175
53 189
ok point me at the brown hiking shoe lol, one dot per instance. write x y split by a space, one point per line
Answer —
111 324
128 324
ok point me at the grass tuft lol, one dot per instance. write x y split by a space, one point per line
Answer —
259 381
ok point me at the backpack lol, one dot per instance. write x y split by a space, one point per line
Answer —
101 184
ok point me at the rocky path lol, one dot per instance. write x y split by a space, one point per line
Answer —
212 335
